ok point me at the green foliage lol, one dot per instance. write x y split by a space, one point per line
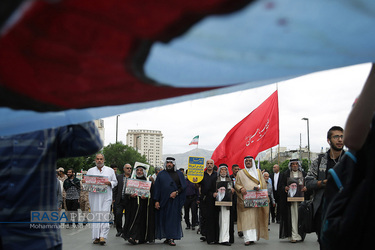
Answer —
151 171
77 163
305 164
284 166
268 166
119 154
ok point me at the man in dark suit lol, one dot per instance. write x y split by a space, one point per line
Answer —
121 199
276 177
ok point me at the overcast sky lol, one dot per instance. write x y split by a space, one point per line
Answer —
324 98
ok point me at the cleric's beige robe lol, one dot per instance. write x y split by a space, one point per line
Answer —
251 218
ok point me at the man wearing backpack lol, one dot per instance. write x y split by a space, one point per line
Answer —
316 177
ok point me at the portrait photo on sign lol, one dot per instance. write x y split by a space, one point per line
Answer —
224 193
295 192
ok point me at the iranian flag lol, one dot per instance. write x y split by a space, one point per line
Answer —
195 140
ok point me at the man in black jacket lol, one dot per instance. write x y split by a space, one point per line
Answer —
121 199
276 177
72 187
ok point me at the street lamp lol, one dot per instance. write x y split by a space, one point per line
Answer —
117 126
308 138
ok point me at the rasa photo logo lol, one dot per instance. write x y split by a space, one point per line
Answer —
70 217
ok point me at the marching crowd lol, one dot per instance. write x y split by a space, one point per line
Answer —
213 206
27 175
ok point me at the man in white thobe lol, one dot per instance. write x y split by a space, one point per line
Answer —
252 221
100 203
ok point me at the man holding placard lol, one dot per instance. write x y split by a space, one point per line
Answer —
252 221
223 195
140 211
100 202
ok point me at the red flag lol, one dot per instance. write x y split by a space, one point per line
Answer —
255 133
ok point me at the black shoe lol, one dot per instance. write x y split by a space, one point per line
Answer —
193 228
171 242
211 243
240 234
273 220
118 234
225 244
188 227
131 241
203 238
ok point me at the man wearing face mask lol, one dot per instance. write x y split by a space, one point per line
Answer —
169 196
252 221
101 202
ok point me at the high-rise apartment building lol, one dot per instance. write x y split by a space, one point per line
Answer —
148 143
100 125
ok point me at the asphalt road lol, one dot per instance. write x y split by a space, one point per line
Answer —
80 239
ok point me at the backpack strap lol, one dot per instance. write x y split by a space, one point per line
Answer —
336 179
335 176
348 153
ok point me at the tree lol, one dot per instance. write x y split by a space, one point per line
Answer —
76 163
119 154
115 154
268 166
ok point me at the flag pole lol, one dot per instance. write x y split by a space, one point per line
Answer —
278 147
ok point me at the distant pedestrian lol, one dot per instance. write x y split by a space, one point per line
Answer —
122 201
272 202
72 187
278 190
192 197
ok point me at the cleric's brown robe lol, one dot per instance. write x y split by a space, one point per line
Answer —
251 218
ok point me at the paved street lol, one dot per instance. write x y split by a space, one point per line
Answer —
80 239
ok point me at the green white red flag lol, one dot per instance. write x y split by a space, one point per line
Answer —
195 140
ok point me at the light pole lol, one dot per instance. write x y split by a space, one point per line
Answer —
117 126
308 138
